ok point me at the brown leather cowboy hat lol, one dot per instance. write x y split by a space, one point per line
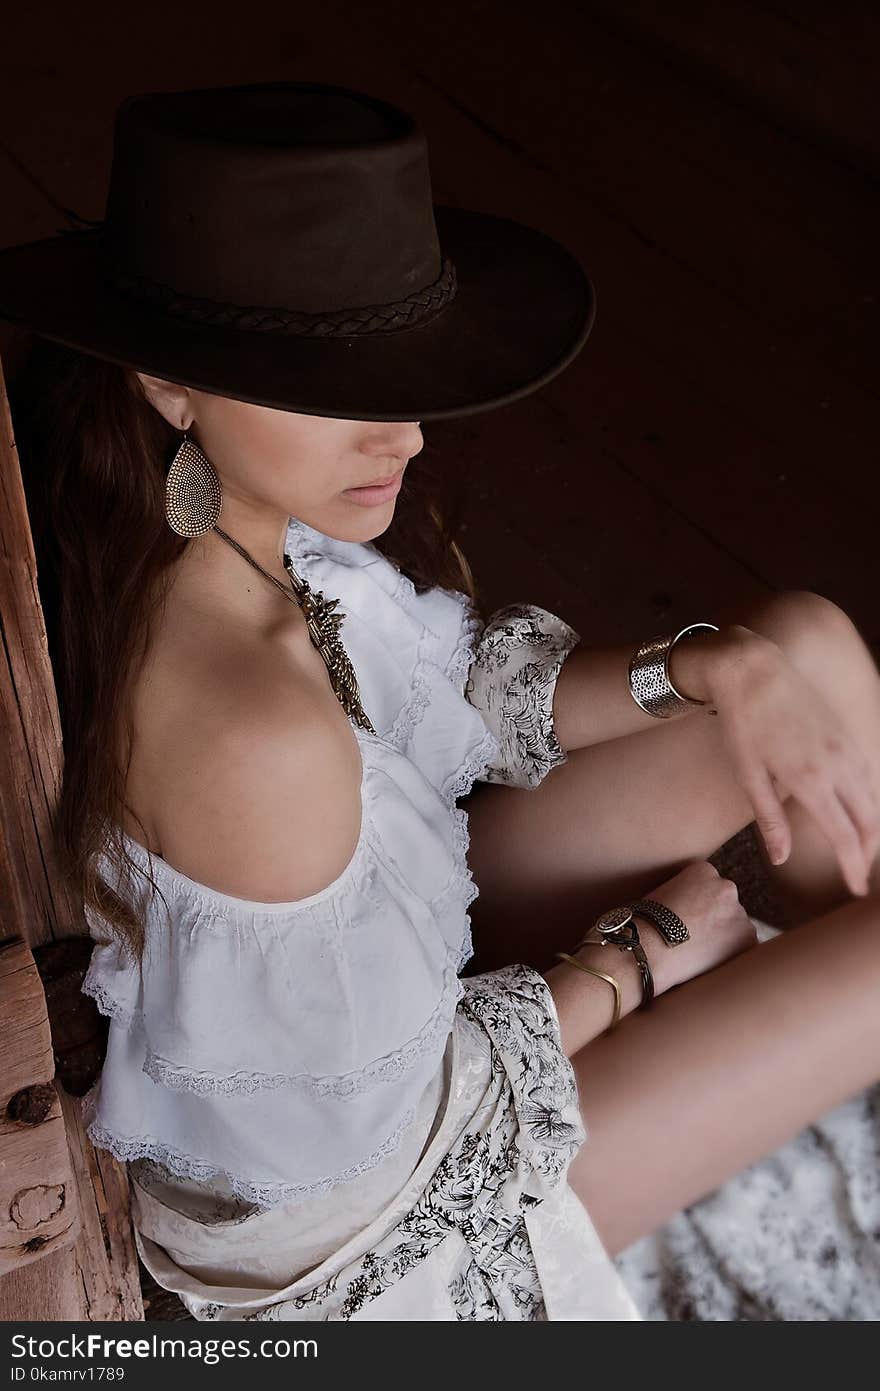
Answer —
278 243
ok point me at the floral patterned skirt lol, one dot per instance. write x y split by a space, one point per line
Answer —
486 1228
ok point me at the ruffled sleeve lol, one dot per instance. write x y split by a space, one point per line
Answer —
512 679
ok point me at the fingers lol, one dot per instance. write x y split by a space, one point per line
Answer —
857 793
847 814
770 814
859 804
842 831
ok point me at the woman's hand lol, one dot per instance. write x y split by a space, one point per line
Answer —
708 905
719 927
784 740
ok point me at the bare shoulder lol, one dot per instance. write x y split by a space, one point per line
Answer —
255 788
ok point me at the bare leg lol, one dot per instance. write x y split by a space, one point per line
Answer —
725 1069
620 817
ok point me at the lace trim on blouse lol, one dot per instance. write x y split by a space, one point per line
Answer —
414 709
463 654
107 1003
456 670
342 1085
129 1147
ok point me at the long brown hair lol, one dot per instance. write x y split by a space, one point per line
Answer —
95 454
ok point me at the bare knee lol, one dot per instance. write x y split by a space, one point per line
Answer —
814 632
796 617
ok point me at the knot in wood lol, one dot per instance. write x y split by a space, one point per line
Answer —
32 1105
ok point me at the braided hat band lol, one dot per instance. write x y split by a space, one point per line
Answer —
419 307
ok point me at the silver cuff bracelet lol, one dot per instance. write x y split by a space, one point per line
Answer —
649 682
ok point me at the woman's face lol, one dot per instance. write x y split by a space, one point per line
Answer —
303 466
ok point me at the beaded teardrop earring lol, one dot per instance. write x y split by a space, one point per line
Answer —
193 495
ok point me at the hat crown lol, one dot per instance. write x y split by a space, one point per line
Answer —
295 195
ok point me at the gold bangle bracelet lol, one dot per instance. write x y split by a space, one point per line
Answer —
564 956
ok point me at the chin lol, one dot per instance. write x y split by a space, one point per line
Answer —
359 524
374 523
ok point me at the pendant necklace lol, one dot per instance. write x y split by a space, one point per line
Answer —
323 628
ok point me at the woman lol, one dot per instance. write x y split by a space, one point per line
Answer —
322 1117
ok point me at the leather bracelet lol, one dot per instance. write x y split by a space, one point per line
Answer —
668 924
602 975
650 684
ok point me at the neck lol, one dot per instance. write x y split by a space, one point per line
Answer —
218 586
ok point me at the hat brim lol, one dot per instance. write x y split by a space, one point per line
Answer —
523 308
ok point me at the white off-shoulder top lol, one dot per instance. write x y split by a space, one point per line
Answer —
280 1050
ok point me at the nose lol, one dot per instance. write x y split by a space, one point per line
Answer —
400 439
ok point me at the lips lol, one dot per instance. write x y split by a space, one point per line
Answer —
378 482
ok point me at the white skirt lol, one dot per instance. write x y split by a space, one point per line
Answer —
487 1226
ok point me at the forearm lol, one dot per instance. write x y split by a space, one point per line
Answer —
592 701
584 1003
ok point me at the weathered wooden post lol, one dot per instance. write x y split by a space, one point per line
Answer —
66 1245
